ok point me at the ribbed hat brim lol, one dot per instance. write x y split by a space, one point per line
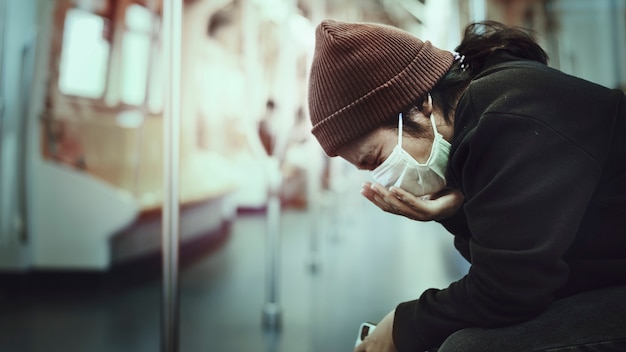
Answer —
362 74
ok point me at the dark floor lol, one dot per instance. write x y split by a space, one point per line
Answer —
367 262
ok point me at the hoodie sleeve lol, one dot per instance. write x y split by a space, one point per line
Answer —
526 188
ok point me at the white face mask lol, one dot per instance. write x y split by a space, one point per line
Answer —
400 169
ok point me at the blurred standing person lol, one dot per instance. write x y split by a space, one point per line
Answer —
523 164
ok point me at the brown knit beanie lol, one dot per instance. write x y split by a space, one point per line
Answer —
365 73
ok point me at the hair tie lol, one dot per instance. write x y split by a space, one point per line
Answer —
460 58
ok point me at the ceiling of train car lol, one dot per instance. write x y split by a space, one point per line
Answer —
395 12
401 13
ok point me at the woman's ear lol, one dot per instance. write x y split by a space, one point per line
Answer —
427 106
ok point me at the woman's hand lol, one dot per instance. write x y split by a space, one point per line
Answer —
398 201
381 339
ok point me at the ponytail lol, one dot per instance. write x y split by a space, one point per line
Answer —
480 41
483 39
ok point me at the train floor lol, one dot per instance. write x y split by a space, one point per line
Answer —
340 264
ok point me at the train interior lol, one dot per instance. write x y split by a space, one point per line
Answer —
269 226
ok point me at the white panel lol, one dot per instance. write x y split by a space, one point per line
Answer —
74 216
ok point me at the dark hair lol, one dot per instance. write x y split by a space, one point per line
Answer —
481 40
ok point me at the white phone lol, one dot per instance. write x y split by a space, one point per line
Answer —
364 330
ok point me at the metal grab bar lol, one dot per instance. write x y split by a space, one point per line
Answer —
3 6
27 65
172 37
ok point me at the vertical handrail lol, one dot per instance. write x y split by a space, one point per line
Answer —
27 63
616 32
172 36
478 10
315 194
3 6
272 313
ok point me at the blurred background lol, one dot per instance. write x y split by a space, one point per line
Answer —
278 251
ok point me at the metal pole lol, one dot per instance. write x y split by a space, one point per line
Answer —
3 6
478 10
616 33
3 11
315 193
172 35
27 65
271 319
271 309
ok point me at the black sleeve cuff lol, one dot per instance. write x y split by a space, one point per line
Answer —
405 335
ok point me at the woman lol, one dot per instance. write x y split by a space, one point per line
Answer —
523 164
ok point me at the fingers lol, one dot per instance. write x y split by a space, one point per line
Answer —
433 207
398 201
382 198
412 206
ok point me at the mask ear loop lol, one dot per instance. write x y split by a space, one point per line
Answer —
432 118
400 130
398 182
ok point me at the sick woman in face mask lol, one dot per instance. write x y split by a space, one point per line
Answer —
523 164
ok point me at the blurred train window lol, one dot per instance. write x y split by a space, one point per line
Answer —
136 50
84 55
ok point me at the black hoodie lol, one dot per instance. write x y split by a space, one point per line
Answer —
540 157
